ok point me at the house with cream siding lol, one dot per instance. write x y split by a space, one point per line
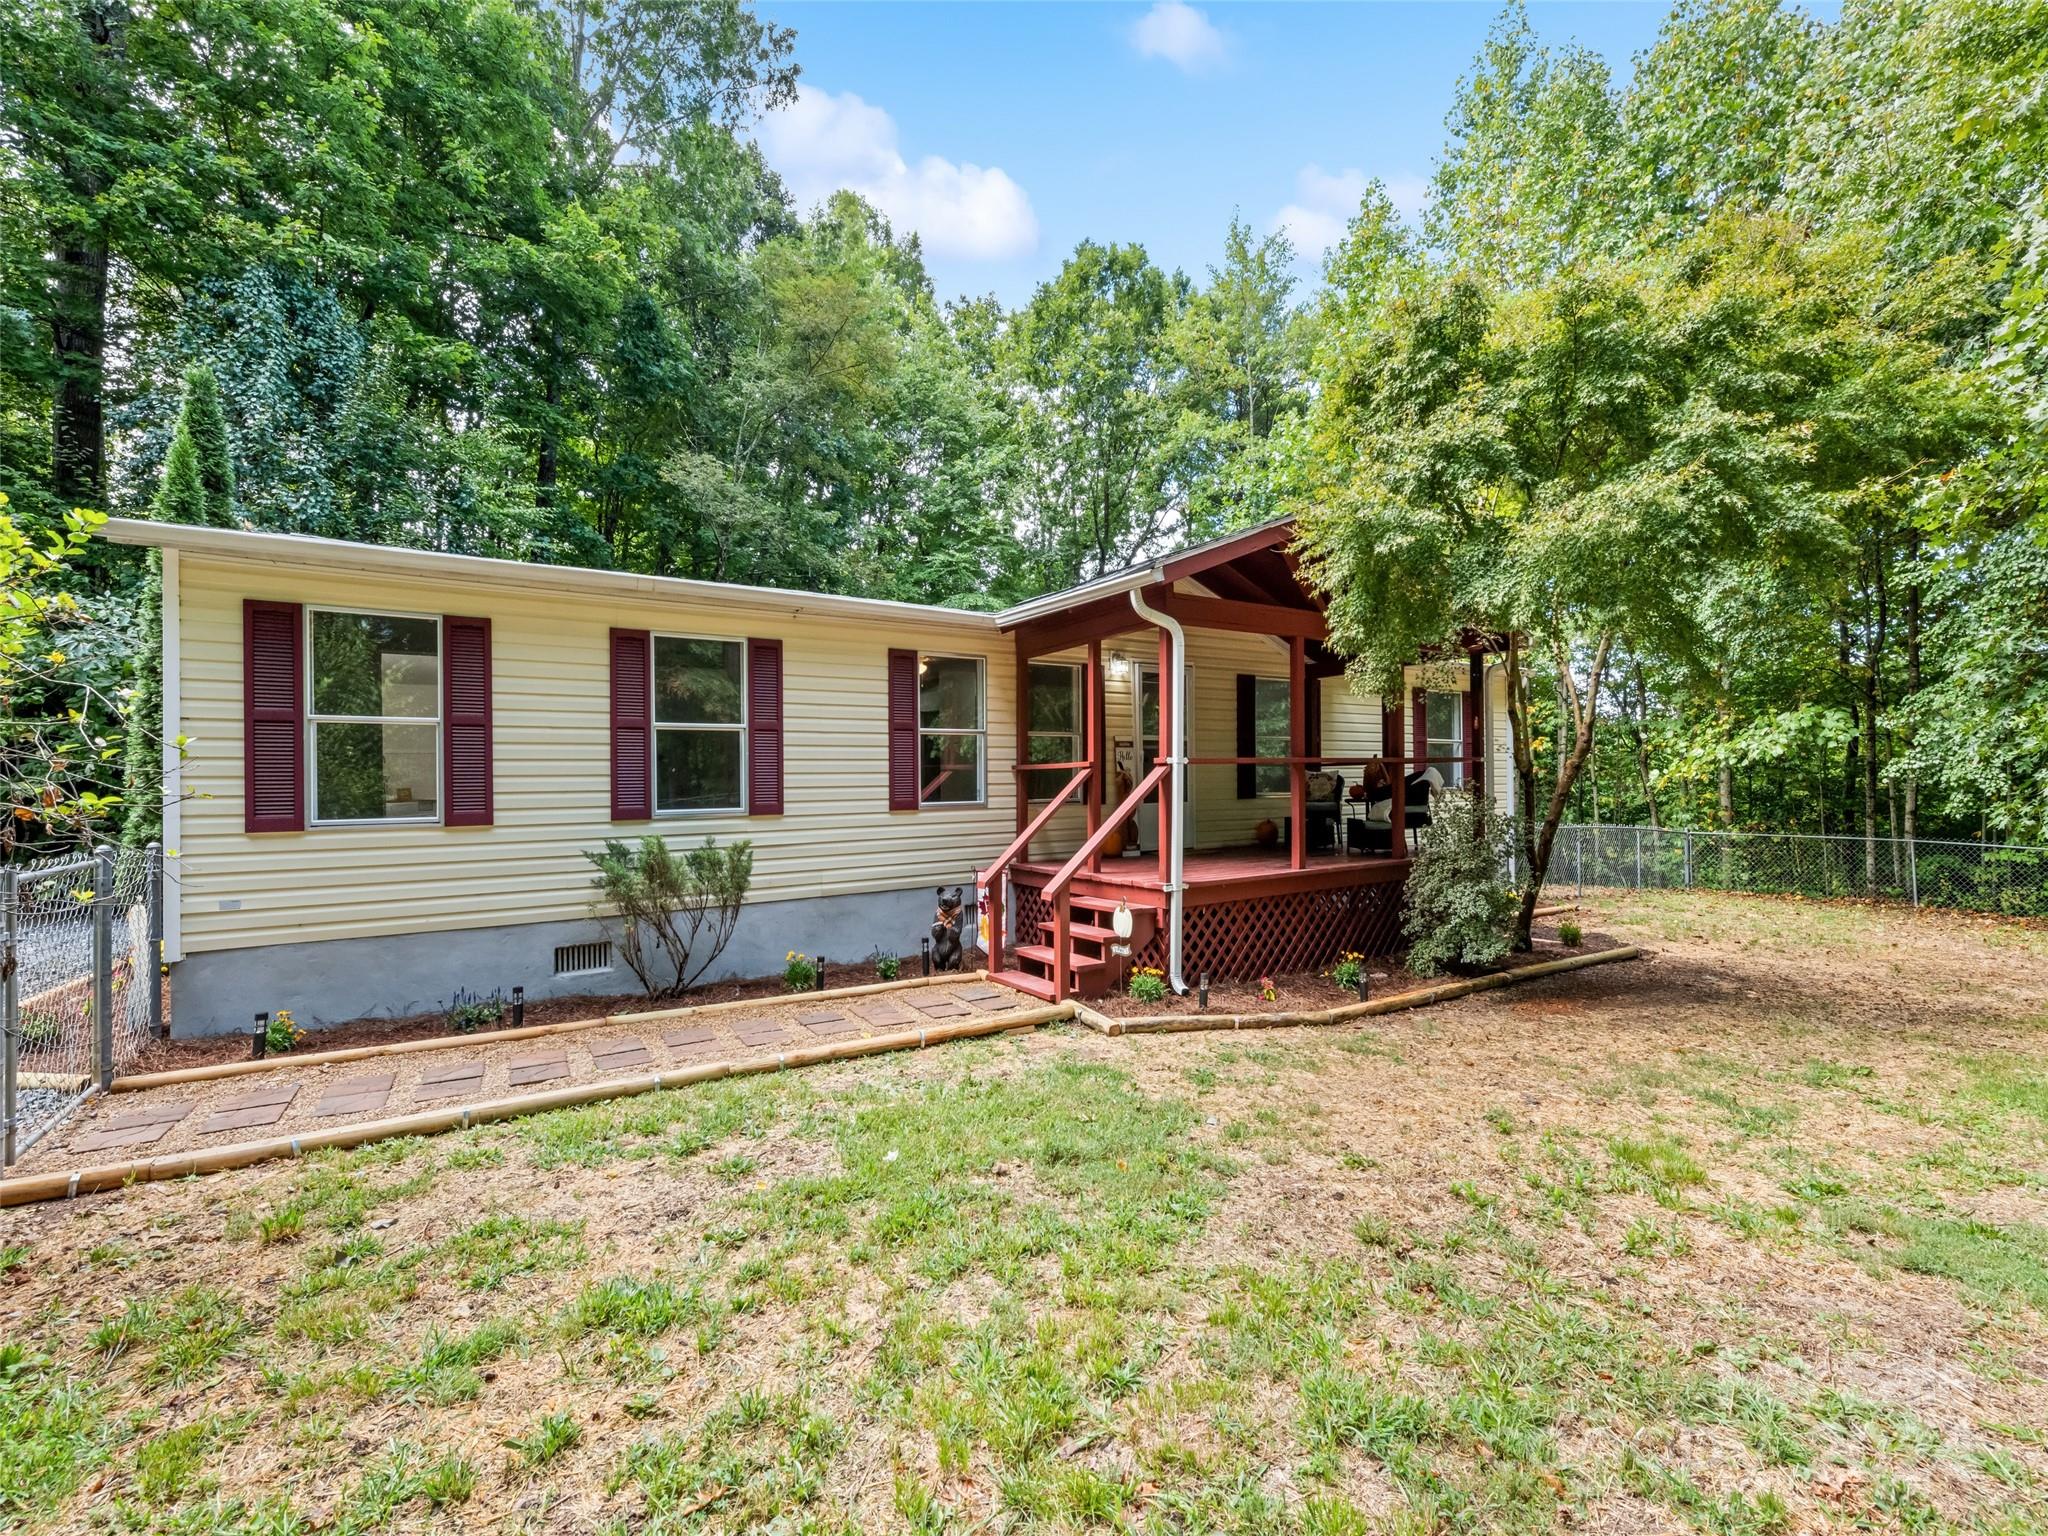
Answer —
395 763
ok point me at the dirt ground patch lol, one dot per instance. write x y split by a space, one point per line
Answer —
1747 1238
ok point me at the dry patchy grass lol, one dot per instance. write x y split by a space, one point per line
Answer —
1750 1238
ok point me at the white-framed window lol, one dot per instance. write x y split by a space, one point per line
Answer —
952 730
700 724
1444 714
373 716
1271 737
1054 724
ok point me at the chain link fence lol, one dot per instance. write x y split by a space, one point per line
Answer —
2006 878
81 987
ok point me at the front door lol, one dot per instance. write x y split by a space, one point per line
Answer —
1148 759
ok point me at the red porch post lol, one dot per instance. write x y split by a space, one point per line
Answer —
1092 703
1169 808
1023 737
1297 747
1391 750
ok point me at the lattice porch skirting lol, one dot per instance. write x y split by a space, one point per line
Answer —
1263 935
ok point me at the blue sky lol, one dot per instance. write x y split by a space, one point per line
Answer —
1007 132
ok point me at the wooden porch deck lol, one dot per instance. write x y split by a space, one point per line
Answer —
1226 874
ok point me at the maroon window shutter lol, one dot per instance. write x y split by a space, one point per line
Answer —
903 794
465 722
273 717
632 726
764 727
1312 716
1247 734
1420 745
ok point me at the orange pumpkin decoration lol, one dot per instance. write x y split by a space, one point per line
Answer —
1266 834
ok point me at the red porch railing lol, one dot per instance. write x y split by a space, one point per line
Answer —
1055 891
991 879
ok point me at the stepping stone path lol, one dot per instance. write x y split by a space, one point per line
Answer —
356 1095
265 1106
693 1044
939 1007
1002 1003
828 1023
618 1055
539 1067
451 1079
137 1129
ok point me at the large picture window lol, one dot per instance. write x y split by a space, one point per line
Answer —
1053 719
1445 715
952 728
1270 733
700 724
375 716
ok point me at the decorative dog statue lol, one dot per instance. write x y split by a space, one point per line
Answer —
946 931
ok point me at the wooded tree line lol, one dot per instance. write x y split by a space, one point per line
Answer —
1723 386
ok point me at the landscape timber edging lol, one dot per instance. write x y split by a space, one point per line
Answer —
1419 997
177 1165
221 1069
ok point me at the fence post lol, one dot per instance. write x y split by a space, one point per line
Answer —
1639 858
1913 869
1579 864
1687 835
153 893
10 1011
103 965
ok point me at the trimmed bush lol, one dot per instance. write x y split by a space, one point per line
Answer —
1460 910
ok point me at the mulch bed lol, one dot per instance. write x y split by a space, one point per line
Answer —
1307 991
205 1050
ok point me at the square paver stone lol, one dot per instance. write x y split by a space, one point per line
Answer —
263 1106
829 1024
884 1012
451 1079
617 1055
940 1008
540 1067
1002 1002
756 1033
135 1128
356 1095
697 1040
981 993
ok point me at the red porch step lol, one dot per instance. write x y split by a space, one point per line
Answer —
1024 981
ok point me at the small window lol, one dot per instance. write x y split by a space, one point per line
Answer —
952 727
1445 716
1054 725
375 716
1270 733
700 721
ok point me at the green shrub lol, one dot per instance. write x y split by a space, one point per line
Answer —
1460 910
470 1012
673 914
887 967
1569 934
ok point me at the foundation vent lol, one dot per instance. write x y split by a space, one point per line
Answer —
583 959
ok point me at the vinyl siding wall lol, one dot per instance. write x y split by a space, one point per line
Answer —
552 747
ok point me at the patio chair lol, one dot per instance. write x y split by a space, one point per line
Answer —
1418 786
1324 805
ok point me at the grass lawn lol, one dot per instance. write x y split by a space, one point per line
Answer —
1749 1238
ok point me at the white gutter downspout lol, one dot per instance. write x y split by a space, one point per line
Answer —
1176 763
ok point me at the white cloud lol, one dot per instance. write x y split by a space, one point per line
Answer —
1177 31
822 142
1325 202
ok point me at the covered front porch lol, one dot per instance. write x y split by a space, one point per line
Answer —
1288 839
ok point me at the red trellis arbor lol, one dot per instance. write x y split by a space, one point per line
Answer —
1239 910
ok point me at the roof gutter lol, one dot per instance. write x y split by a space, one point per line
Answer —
300 552
1104 586
1169 792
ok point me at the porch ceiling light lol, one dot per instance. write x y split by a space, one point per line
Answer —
1120 922
1119 665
